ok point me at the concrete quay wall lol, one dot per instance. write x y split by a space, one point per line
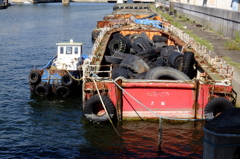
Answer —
225 22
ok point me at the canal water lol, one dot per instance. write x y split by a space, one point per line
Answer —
35 127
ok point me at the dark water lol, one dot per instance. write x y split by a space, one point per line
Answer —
34 127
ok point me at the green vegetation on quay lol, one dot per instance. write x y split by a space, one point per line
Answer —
177 24
233 44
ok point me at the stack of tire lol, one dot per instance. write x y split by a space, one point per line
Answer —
136 56
41 88
37 86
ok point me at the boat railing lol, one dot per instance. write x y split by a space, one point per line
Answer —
217 62
91 71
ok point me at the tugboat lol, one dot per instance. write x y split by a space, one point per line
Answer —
62 74
3 4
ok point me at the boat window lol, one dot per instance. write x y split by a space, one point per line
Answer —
61 50
68 50
76 50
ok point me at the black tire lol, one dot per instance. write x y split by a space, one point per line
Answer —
141 75
160 44
146 38
43 89
62 91
166 73
134 63
188 62
132 51
113 60
128 44
158 38
159 50
133 36
159 62
32 88
117 44
34 77
124 72
67 80
166 51
216 106
175 59
117 35
140 44
120 54
149 53
93 108
148 62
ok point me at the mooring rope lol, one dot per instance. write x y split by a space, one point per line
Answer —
105 107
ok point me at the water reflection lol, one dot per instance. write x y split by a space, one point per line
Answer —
139 139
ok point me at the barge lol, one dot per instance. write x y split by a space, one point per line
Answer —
138 71
62 74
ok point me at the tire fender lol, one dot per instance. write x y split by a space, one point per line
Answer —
94 110
67 80
34 77
43 89
216 106
62 91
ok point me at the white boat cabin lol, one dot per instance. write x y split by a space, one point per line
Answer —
69 55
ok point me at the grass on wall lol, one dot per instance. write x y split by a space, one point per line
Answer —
177 24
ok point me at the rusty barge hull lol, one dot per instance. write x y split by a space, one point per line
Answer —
180 100
202 96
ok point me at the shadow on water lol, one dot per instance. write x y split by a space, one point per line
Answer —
139 139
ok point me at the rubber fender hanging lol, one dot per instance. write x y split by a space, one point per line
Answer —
62 91
94 110
43 89
166 73
32 88
216 106
34 77
67 80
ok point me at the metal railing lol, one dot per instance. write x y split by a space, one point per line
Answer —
216 62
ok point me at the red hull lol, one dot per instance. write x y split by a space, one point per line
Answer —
152 99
